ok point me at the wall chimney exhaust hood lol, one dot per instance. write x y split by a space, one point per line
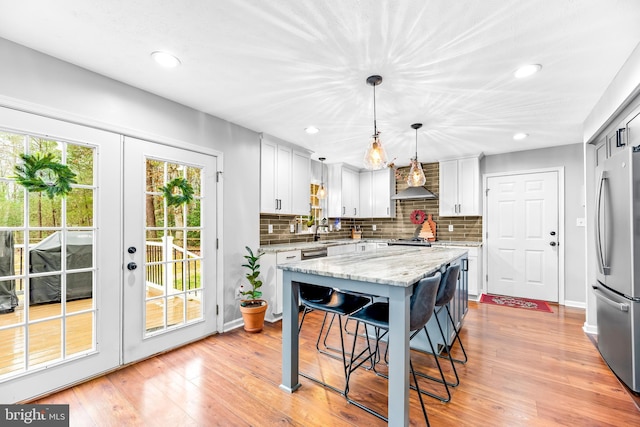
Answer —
414 193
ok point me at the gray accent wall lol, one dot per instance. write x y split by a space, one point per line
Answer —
40 84
571 158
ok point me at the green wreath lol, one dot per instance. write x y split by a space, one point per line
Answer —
42 173
185 195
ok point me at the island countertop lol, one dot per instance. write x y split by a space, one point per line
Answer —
396 265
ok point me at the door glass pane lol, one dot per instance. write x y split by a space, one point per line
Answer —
44 342
80 207
12 356
11 204
46 305
172 248
81 328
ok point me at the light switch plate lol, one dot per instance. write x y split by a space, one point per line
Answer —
270 228
292 228
450 227
373 227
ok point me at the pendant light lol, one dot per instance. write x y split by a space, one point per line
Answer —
322 191
375 157
416 176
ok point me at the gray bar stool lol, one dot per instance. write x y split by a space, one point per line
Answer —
421 307
335 302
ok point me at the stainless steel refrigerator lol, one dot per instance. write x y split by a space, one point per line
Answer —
617 225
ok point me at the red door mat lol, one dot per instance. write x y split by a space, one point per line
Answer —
529 304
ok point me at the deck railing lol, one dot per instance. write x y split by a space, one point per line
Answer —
183 266
172 266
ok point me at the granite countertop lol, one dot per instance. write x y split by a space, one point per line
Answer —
281 247
456 243
395 265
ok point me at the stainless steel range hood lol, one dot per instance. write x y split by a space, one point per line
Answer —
414 193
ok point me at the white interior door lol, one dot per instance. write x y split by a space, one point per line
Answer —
522 235
169 250
60 280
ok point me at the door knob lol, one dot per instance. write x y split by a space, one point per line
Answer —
552 243
131 250
553 233
132 266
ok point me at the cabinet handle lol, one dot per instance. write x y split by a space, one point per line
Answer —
344 210
388 210
355 212
291 256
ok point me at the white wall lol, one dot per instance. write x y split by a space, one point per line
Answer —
40 84
569 157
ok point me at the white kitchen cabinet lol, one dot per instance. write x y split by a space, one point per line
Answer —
366 195
343 192
284 179
460 190
366 247
376 189
271 275
341 249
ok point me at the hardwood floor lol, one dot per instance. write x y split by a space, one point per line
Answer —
525 369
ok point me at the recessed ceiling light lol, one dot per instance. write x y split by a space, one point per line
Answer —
165 59
527 70
520 135
311 130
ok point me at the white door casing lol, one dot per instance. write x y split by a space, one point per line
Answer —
523 256
145 293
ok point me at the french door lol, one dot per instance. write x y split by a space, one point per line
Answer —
523 235
59 256
169 247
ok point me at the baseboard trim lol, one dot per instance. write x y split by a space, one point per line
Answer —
576 304
234 324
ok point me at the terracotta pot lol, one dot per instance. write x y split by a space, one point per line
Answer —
253 316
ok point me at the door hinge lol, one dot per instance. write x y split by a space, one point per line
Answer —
486 278
217 309
218 173
217 243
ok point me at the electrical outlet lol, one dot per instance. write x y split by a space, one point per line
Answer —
292 228
450 227
373 227
239 293
270 228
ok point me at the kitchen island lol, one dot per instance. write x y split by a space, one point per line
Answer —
391 273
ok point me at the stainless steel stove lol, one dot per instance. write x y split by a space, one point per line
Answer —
414 241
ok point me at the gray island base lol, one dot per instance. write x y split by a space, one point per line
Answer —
390 273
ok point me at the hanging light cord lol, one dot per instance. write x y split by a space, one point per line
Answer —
416 158
375 128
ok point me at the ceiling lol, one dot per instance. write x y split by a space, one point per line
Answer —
280 66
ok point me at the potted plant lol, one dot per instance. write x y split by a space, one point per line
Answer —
252 307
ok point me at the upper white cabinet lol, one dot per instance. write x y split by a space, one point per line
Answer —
376 189
460 189
343 192
284 179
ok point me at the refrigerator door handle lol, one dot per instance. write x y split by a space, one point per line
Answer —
602 265
602 297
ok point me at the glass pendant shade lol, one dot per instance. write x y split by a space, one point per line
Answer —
416 176
375 157
321 193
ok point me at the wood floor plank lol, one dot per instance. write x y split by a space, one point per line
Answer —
525 369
